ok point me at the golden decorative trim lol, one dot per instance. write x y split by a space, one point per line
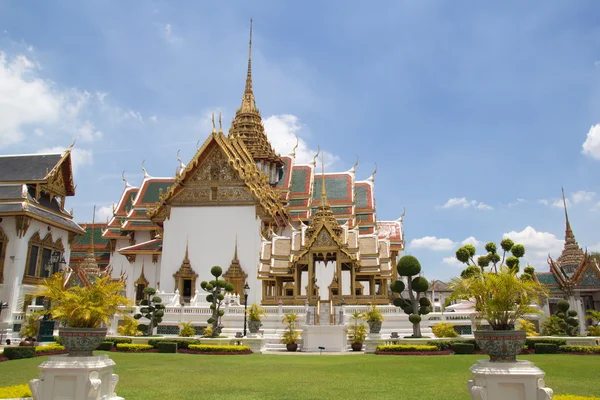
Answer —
22 224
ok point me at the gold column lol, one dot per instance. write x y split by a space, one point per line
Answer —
311 266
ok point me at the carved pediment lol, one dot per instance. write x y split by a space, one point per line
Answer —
215 167
324 239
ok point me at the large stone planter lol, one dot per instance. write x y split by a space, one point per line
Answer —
253 326
501 346
374 326
80 342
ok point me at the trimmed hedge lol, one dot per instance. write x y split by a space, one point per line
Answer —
576 349
16 353
14 392
447 344
463 348
50 348
531 342
106 346
400 348
134 348
546 348
166 347
181 343
209 348
574 397
118 340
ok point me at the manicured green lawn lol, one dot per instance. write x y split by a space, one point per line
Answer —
278 377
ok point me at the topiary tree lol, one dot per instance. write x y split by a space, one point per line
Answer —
217 287
414 306
152 309
567 319
466 255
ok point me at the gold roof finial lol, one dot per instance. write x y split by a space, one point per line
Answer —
353 169
212 118
186 258
127 184
146 175
293 153
220 121
316 155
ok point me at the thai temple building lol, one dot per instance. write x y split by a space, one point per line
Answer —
294 233
36 232
573 276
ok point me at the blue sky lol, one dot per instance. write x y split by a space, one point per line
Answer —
475 112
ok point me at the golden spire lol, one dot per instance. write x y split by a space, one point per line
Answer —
235 254
186 258
323 190
247 124
220 121
568 231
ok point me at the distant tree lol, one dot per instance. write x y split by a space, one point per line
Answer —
414 305
216 289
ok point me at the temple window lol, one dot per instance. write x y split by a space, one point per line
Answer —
3 243
39 257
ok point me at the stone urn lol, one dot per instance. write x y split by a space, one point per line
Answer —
80 342
253 326
374 326
501 346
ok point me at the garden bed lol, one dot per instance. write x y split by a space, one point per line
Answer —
215 353
415 353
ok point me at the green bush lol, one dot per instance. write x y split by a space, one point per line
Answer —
530 343
106 346
49 348
580 349
398 348
166 347
209 348
16 353
14 392
117 340
463 348
545 348
444 329
181 343
133 347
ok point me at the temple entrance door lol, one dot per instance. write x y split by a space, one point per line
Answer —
187 290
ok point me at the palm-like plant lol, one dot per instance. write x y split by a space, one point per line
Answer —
594 330
500 298
129 327
291 334
357 330
84 306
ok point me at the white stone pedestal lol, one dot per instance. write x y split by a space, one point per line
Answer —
332 337
520 380
373 341
256 344
76 378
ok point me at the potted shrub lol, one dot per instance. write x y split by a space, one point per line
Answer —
84 310
30 329
254 313
374 318
290 335
357 331
501 297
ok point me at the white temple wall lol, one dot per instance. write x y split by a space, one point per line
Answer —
135 269
13 291
118 261
211 233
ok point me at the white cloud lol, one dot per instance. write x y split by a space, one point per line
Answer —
87 132
453 261
167 32
543 202
591 146
79 157
516 202
104 213
471 240
537 246
25 100
38 132
432 243
153 118
282 131
581 196
559 203
462 202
